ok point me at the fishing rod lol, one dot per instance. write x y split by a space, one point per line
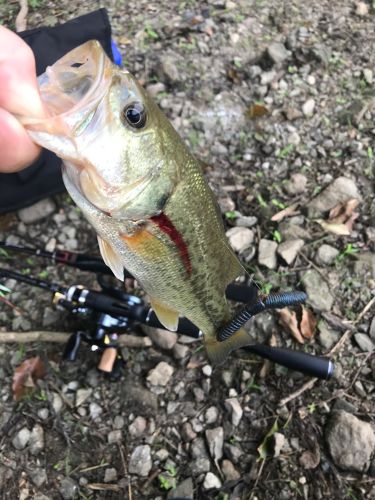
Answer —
114 309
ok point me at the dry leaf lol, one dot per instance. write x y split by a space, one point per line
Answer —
332 227
195 362
256 111
25 376
233 75
286 212
301 326
341 212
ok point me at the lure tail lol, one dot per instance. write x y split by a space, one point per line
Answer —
219 351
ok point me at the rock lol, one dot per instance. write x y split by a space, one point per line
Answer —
211 481
362 9
326 255
207 370
114 436
36 441
292 113
180 351
229 471
161 374
240 238
167 69
234 408
267 77
277 52
296 184
57 402
372 328
211 415
368 75
110 475
138 399
233 452
290 231
267 253
43 413
308 107
365 263
68 488
21 439
50 316
226 204
341 190
288 250
82 396
95 410
138 427
185 490
37 212
317 291
140 462
246 221
198 448
118 422
187 432
38 476
200 465
163 338
278 443
364 342
327 336
155 88
351 441
215 441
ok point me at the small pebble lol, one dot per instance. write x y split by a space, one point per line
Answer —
211 481
207 370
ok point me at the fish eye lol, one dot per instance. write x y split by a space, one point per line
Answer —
134 115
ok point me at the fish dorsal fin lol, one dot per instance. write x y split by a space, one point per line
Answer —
111 258
166 316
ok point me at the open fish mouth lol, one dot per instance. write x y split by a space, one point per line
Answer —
71 88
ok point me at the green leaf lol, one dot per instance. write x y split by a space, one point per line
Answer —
231 214
263 448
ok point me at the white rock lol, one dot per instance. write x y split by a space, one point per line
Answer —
36 441
37 212
207 370
326 255
362 9
277 52
140 462
21 438
57 402
215 441
368 75
163 338
240 238
288 250
82 396
267 253
161 374
308 107
95 410
211 415
110 475
234 407
138 426
114 436
211 481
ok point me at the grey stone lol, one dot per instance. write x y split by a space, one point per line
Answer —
364 342
290 231
277 52
351 441
140 462
211 415
82 396
211 481
37 212
180 351
68 488
267 77
341 190
95 410
365 263
296 184
229 471
21 439
327 336
185 489
234 452
240 238
372 328
198 448
38 476
36 441
368 75
50 316
114 436
308 107
57 402
110 475
163 338
161 374
187 432
267 253
138 426
215 441
317 290
200 465
289 249
326 255
234 408
118 422
246 221
43 413
168 69
155 88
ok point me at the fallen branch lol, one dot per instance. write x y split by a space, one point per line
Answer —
21 21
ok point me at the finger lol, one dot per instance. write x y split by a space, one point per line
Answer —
17 149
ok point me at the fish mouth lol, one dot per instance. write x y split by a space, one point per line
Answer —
71 89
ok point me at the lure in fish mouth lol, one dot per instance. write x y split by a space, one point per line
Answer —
145 194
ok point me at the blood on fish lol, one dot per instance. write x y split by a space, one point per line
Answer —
167 226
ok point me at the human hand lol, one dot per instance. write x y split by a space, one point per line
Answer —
18 96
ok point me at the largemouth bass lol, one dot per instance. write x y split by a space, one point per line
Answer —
145 194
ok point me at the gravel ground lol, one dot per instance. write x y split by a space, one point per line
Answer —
278 100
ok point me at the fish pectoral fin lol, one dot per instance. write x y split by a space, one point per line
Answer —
219 351
167 317
111 258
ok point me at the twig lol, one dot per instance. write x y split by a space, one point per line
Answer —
257 479
21 22
336 348
36 336
126 473
9 303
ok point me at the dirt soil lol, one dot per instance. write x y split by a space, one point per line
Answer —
277 98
